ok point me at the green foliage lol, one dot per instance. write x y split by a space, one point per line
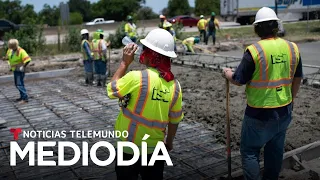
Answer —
76 18
73 40
146 13
115 9
15 12
205 7
116 39
178 7
30 37
178 30
49 15
81 6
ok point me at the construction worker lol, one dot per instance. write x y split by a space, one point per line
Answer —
18 61
189 42
99 47
272 72
168 26
162 21
130 29
87 58
212 25
152 102
202 27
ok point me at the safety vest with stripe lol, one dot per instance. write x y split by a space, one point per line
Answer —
188 41
153 104
85 56
19 56
275 61
97 49
130 29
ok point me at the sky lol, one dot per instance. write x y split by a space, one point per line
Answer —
156 5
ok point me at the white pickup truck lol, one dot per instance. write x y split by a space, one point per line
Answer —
99 21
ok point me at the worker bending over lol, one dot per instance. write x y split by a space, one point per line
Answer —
131 29
151 102
99 47
18 61
271 69
202 23
189 42
212 25
87 58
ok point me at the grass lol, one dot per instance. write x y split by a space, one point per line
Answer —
294 32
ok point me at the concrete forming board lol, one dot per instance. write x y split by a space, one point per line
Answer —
58 104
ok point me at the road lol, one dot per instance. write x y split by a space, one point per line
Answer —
53 39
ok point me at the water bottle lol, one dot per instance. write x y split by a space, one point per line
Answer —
126 40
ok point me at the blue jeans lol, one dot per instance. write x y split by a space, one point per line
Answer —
19 82
213 34
254 135
100 67
88 66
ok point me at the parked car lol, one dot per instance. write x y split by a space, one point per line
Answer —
99 21
184 20
7 26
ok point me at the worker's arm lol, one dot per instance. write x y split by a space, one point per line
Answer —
25 58
217 24
298 75
104 49
244 71
87 50
175 117
122 84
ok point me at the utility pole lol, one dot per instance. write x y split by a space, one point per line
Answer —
276 6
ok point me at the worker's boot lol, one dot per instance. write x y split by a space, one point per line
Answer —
103 80
86 77
90 79
98 80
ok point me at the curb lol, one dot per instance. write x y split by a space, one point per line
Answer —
38 75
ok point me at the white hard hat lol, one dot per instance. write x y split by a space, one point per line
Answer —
265 14
160 41
84 31
201 16
162 16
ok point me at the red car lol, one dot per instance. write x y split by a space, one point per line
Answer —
184 20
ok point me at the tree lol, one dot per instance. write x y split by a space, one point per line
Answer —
178 7
81 6
15 12
49 15
76 18
115 9
205 7
146 13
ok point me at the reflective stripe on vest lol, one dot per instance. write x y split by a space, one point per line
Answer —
175 114
136 117
264 82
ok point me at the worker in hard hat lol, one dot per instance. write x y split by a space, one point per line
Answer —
99 47
168 26
18 61
212 25
271 69
189 42
131 29
202 23
162 21
151 102
87 57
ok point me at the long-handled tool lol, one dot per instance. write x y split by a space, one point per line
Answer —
109 61
228 130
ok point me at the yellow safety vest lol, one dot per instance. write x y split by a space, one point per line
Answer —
202 24
153 104
97 49
130 29
85 56
19 56
275 61
188 41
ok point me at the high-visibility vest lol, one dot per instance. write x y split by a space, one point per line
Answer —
188 41
130 29
97 49
19 56
202 24
85 56
275 61
153 104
